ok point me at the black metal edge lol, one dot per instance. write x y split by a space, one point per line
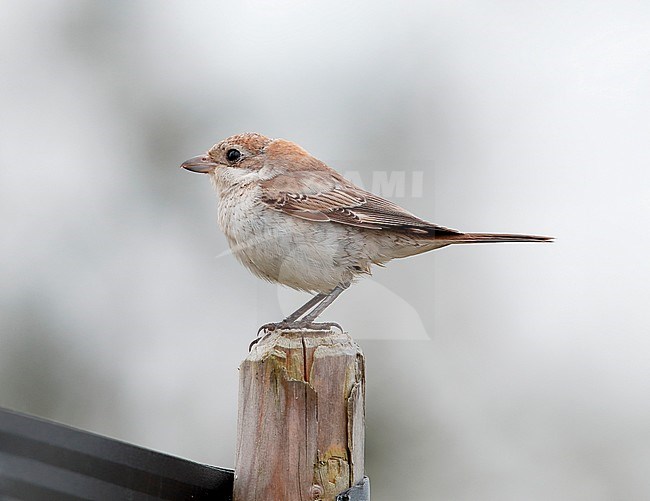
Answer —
37 455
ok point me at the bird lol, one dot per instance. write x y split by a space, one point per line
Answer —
291 219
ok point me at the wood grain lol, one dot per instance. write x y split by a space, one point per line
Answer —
301 418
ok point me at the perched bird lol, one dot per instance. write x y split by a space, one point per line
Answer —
291 219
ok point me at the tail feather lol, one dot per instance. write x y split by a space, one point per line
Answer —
470 238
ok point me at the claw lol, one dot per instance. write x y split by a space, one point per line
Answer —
321 326
257 340
269 328
266 329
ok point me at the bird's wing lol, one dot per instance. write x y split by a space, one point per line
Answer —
328 197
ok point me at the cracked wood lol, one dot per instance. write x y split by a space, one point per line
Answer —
301 417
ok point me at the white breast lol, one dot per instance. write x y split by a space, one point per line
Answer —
305 255
280 248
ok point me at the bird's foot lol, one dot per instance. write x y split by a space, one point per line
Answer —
270 327
267 329
317 326
298 325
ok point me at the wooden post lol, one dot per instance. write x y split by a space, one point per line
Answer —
300 433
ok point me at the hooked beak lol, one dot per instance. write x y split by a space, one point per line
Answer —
202 164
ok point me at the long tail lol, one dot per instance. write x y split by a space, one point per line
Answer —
472 238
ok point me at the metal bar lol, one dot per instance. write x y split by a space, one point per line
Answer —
40 459
358 492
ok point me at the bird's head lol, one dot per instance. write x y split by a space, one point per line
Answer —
251 157
239 152
232 161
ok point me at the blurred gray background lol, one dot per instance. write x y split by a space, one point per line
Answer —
503 372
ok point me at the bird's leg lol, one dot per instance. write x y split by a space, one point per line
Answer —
290 320
319 302
327 300
304 308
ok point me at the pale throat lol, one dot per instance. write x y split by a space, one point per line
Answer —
225 178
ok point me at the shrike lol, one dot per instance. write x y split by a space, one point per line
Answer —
291 219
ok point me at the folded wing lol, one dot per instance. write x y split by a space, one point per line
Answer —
327 197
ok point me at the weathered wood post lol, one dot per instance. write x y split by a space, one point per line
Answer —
300 433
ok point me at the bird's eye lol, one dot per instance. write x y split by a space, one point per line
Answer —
233 155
